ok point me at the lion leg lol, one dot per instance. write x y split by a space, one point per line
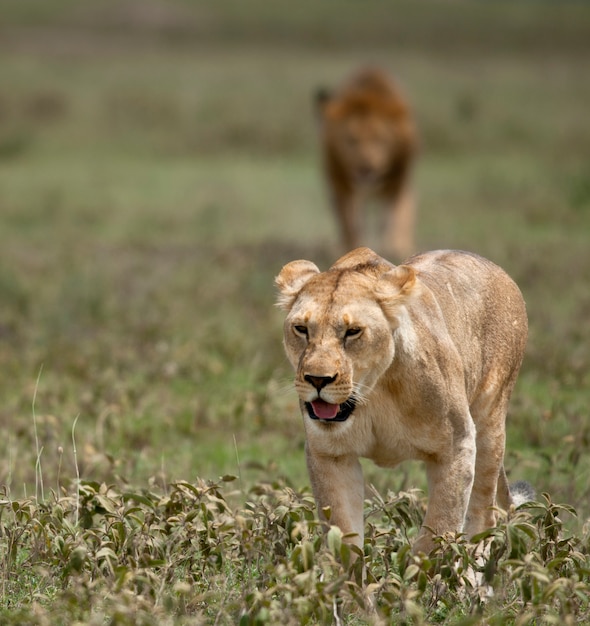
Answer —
347 210
449 487
337 483
400 217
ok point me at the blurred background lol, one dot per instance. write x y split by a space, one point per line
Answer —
159 165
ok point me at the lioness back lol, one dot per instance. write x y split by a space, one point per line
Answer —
482 307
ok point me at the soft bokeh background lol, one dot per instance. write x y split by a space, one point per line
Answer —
158 166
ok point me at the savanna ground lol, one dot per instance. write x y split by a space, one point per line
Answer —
158 166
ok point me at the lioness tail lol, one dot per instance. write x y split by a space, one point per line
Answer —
521 491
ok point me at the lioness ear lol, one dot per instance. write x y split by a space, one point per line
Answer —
291 280
394 286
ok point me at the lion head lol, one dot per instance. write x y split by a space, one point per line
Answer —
338 332
367 127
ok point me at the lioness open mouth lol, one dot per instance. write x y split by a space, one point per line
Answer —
326 412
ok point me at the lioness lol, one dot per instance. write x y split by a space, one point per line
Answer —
368 143
416 361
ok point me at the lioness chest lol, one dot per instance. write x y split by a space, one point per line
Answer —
382 432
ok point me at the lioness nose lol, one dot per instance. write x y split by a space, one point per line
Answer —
319 382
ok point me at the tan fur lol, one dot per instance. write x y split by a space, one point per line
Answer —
430 352
368 143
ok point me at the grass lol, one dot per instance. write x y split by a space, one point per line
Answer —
158 166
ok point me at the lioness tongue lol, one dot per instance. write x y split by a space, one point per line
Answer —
324 410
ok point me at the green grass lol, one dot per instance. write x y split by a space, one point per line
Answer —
158 166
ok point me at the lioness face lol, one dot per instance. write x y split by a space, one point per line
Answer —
339 346
366 145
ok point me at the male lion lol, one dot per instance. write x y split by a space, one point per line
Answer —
368 143
416 361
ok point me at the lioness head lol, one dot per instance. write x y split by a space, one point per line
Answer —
338 333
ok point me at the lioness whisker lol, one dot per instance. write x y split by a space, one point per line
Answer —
281 387
358 393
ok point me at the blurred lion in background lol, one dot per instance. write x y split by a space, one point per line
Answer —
369 144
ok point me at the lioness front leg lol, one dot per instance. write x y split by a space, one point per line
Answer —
337 483
449 486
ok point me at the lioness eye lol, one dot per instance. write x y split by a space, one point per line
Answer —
352 332
300 330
